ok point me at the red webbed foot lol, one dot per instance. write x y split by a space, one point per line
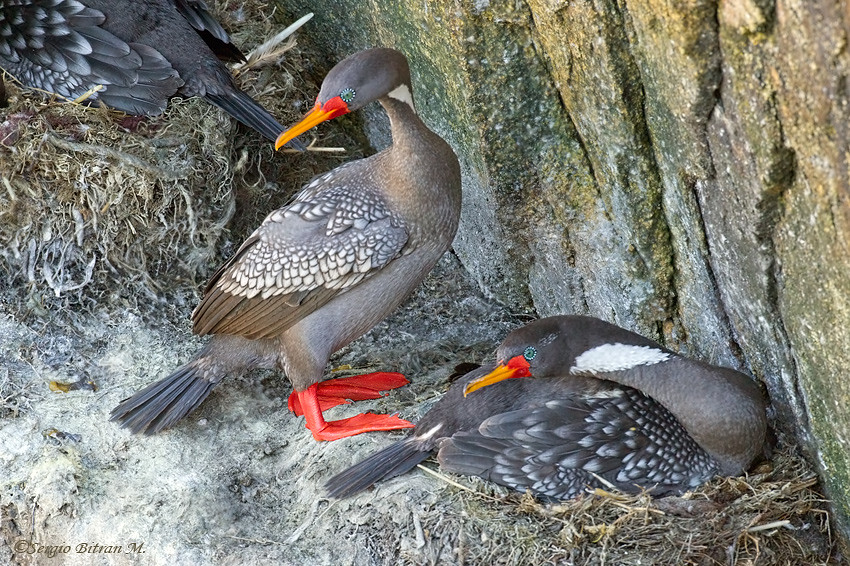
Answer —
338 391
364 422
308 400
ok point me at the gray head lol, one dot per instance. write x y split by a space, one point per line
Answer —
549 347
542 344
552 345
363 77
353 83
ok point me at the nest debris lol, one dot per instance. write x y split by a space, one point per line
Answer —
99 208
94 200
776 515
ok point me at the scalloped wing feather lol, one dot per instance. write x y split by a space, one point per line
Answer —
298 260
554 448
63 49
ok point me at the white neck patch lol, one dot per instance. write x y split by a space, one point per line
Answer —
617 357
402 93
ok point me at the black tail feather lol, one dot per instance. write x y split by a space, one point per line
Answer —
472 454
160 405
388 463
249 112
209 29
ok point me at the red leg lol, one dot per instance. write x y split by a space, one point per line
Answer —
333 392
334 430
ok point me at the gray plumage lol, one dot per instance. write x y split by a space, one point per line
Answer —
668 425
321 271
553 449
141 51
303 255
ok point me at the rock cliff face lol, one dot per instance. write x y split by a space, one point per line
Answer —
679 168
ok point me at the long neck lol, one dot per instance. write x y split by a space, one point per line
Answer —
423 173
722 409
410 134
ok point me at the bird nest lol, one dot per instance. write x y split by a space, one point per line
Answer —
92 197
96 200
773 516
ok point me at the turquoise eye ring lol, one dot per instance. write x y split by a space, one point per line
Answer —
347 95
530 353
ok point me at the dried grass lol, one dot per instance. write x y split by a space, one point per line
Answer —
95 200
14 395
773 516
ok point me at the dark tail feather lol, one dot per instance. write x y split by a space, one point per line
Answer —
249 112
388 463
209 29
472 454
161 404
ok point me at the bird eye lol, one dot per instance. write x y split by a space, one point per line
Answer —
347 95
529 353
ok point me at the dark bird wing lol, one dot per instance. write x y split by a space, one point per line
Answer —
59 46
248 111
555 448
199 17
301 257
